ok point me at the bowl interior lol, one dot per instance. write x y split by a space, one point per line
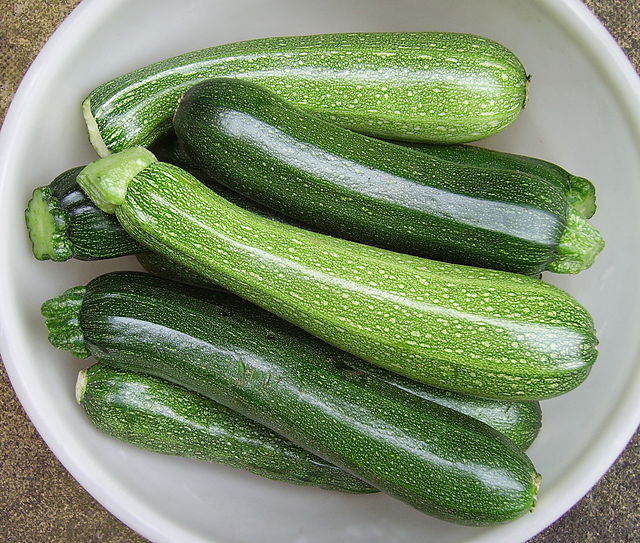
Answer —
578 116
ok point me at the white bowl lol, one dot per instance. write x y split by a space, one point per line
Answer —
583 114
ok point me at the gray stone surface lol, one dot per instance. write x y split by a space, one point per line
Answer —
41 503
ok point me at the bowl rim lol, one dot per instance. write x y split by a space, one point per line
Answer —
576 18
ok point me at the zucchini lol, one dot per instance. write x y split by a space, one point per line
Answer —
580 192
371 191
166 418
481 332
438 460
63 223
519 421
420 86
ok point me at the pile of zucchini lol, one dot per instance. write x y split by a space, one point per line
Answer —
338 292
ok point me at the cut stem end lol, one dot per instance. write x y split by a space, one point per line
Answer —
536 489
81 385
62 317
105 181
582 196
47 224
94 132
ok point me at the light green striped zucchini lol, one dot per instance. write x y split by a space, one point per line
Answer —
421 86
481 332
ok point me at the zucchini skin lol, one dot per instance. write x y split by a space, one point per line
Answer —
367 190
166 418
161 266
580 192
81 231
168 149
519 421
419 86
434 458
476 331
94 235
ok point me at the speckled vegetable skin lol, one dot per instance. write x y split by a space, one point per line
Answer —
64 223
519 421
168 149
434 458
431 86
580 192
163 417
481 332
356 187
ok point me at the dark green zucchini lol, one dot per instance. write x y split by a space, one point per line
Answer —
440 461
580 192
371 191
163 417
481 332
519 421
63 223
168 149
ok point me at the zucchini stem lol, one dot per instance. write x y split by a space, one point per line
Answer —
95 137
161 266
578 247
105 181
47 224
527 87
582 196
81 385
62 317
536 489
